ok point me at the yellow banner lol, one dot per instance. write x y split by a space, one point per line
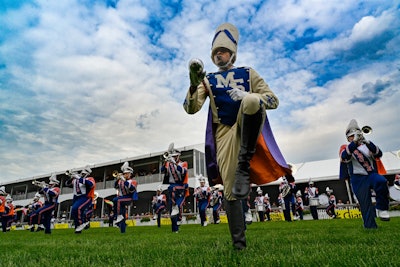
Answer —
277 216
130 222
61 226
165 221
349 213
95 224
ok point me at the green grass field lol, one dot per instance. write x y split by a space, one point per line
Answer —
301 243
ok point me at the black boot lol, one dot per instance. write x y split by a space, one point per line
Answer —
234 212
250 130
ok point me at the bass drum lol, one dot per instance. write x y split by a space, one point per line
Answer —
323 200
394 193
314 201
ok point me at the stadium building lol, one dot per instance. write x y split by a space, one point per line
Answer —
323 173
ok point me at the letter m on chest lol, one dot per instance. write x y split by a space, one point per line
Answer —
229 81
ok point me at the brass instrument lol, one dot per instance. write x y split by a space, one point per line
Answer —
366 129
168 153
70 173
285 190
40 184
118 175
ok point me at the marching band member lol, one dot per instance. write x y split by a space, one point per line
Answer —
396 182
248 217
299 206
260 205
311 194
92 207
32 208
126 187
159 204
202 195
83 190
176 175
216 202
239 98
287 190
3 201
281 202
50 193
330 210
268 207
360 160
8 215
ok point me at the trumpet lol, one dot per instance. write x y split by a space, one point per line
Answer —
166 155
71 174
118 175
366 129
40 184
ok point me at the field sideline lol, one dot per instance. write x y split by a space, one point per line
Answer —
301 243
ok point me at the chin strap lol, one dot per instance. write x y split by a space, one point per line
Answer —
224 67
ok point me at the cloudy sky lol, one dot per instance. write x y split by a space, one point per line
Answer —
87 82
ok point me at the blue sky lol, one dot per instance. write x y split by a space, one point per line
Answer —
87 82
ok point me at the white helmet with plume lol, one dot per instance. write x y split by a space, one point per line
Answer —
86 171
226 36
125 168
53 179
3 191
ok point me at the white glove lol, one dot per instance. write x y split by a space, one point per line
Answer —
236 94
358 136
171 160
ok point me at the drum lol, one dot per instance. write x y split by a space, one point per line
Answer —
394 193
323 200
314 201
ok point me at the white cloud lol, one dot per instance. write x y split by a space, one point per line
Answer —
93 84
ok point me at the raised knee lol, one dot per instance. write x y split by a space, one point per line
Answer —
251 104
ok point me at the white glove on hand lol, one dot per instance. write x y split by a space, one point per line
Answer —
171 160
365 141
196 72
358 137
236 94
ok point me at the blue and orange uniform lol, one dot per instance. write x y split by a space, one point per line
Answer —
203 197
50 193
126 188
159 205
83 190
32 215
176 175
216 204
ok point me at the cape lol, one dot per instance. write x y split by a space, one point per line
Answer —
267 164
